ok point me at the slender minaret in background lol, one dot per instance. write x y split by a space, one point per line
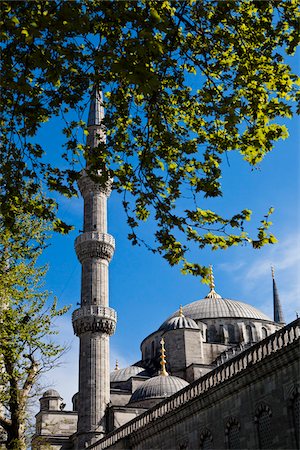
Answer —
94 322
278 315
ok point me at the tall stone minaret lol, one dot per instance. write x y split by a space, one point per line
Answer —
94 321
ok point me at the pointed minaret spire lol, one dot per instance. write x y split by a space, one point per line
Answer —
278 315
212 293
163 359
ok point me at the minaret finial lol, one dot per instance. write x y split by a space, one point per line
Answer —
163 358
212 293
278 314
273 272
117 365
181 311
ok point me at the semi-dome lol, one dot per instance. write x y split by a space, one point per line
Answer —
124 374
158 387
217 307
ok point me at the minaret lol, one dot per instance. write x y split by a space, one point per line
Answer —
278 315
94 321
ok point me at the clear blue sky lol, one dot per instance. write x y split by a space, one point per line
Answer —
145 290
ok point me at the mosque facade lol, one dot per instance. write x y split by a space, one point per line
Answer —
217 374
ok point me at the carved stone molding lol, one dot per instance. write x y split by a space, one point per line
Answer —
86 186
95 319
94 245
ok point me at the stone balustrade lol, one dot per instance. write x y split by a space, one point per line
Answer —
94 318
93 244
256 353
95 310
95 236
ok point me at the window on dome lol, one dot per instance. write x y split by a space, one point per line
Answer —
231 333
264 333
212 335
249 334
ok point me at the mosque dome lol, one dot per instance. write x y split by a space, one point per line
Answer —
179 321
218 307
213 306
158 387
51 393
124 374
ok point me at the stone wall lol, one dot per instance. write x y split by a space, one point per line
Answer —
247 402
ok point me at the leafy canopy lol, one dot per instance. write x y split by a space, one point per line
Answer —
27 347
185 82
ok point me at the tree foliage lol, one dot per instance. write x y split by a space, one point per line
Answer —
185 83
27 348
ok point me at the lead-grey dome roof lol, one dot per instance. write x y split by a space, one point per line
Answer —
213 308
126 373
158 387
51 393
174 323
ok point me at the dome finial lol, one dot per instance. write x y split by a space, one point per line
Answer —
212 293
117 365
163 358
181 311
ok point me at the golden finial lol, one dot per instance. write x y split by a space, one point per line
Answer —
181 311
273 272
163 358
211 278
212 293
117 365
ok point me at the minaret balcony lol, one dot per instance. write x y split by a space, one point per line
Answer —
93 244
95 319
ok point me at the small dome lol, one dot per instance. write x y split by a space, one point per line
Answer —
178 322
158 387
51 393
126 373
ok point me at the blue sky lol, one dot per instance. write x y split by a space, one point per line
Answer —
144 290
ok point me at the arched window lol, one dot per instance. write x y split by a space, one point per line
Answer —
296 416
264 333
212 334
206 440
231 333
263 422
249 335
232 432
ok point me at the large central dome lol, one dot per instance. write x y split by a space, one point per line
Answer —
213 308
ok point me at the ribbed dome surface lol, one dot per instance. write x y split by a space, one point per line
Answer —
213 308
178 322
126 373
158 387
